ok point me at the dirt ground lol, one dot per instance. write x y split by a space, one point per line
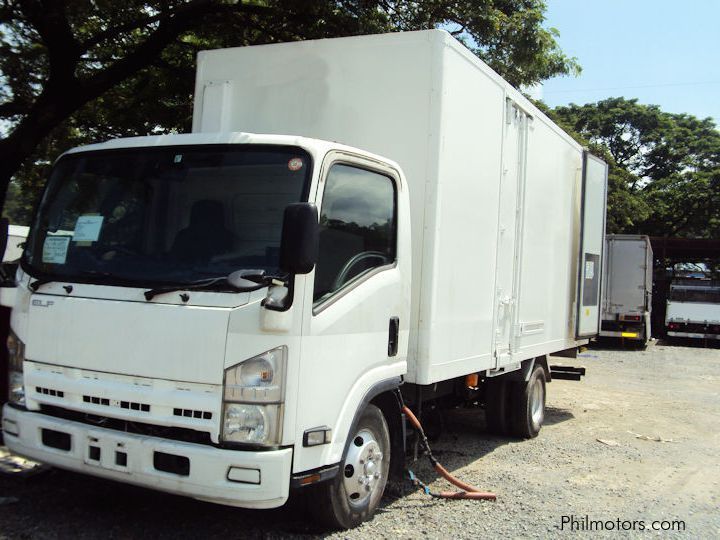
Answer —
635 444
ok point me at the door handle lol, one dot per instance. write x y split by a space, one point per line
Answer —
393 336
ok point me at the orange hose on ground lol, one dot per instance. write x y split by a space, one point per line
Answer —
468 491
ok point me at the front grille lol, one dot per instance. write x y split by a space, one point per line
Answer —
189 413
50 392
125 426
130 405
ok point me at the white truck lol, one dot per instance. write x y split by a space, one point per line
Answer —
627 288
231 315
17 235
693 309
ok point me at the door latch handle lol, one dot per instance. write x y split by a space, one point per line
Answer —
393 336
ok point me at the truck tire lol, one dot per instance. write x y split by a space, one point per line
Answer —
528 405
497 406
354 494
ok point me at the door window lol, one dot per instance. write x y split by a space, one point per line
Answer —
357 227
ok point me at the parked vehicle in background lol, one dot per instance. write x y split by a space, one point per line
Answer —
693 308
627 288
17 235
230 316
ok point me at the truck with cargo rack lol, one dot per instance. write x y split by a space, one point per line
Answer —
355 223
627 288
693 309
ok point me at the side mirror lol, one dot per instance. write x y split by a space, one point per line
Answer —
299 243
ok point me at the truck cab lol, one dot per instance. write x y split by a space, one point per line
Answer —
184 302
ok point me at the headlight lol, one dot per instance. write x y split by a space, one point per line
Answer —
253 396
16 357
250 423
257 380
16 389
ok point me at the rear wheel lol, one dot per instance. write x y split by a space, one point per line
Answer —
354 494
528 405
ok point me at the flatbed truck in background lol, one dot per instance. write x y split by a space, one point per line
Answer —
693 309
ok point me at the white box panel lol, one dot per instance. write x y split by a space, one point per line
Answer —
495 186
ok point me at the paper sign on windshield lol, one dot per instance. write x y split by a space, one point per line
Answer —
87 228
55 249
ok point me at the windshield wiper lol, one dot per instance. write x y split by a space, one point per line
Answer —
240 281
35 285
39 282
192 286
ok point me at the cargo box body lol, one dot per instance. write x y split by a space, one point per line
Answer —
627 287
503 245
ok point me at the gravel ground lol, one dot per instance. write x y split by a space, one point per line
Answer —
655 412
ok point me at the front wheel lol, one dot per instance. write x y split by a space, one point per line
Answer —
354 494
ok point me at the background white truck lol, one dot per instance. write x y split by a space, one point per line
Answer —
229 315
693 308
17 235
627 288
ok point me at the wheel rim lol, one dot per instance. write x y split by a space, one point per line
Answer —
363 467
537 403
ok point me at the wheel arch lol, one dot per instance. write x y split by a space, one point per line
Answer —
542 361
383 395
527 367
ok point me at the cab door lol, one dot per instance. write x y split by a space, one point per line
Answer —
356 308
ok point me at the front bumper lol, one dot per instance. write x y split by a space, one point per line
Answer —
261 479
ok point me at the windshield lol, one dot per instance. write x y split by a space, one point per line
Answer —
168 215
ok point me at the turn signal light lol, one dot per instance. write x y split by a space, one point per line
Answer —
310 479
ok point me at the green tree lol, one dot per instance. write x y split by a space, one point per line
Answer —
87 70
664 167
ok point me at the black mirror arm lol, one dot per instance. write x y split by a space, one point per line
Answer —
282 301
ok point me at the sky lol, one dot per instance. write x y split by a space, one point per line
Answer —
662 52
